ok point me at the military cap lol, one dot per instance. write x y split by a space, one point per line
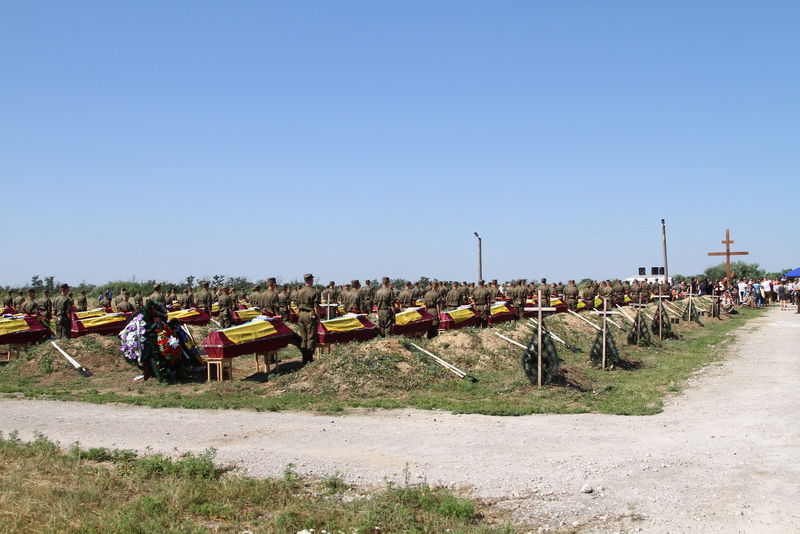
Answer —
385 279
481 281
494 280
156 286
257 287
204 284
354 282
271 280
308 276
31 292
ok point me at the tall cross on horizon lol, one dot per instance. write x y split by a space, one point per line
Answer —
728 242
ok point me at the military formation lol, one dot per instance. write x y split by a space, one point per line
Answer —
383 300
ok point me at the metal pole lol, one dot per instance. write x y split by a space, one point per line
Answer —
480 257
539 335
664 241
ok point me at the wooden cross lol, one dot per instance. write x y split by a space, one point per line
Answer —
728 242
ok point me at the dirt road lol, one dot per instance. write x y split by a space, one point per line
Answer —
723 457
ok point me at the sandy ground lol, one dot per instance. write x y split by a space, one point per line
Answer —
722 457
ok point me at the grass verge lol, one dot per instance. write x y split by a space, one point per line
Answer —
43 489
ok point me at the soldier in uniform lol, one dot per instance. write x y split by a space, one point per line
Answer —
46 305
329 294
81 303
18 300
384 301
417 291
204 299
8 300
453 299
665 289
293 294
350 298
589 293
268 300
367 294
635 291
226 306
406 297
494 291
283 302
29 305
607 293
545 292
255 296
433 305
105 302
571 295
618 291
519 296
62 308
560 289
124 305
307 301
480 299
156 295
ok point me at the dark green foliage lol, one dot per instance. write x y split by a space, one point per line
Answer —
695 314
640 333
551 363
612 355
662 317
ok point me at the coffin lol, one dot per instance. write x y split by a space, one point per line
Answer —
502 312
349 327
193 316
459 318
20 328
109 324
245 315
260 335
412 321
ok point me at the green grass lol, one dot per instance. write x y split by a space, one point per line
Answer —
43 489
360 375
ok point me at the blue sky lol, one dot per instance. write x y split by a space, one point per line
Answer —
357 139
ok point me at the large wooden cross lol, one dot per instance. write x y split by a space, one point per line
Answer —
728 253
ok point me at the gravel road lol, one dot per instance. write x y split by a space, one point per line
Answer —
722 457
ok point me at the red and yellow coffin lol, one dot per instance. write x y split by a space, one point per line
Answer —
20 328
412 321
350 327
95 312
194 316
262 335
246 315
555 302
459 318
502 312
108 324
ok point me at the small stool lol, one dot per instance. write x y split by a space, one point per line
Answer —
323 348
267 356
219 365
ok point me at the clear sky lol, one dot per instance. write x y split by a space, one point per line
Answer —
356 139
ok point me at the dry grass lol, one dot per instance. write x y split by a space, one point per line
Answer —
43 489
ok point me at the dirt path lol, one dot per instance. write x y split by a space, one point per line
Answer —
723 457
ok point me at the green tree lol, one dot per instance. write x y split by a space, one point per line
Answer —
36 283
739 270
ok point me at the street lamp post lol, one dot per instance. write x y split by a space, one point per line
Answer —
480 257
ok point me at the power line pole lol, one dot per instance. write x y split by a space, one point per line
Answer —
664 241
480 257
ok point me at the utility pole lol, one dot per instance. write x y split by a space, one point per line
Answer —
480 257
664 241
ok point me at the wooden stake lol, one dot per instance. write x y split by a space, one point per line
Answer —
605 329
539 335
587 321
517 343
